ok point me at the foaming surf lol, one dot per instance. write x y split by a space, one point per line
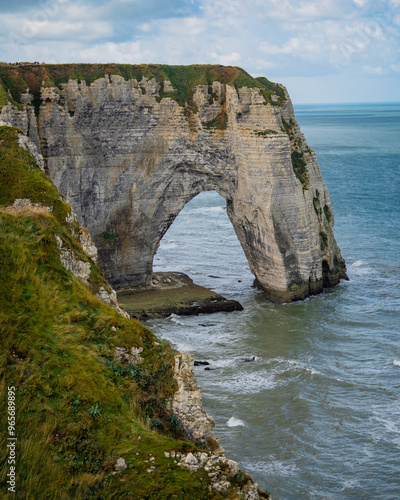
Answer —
273 467
235 422
174 318
248 383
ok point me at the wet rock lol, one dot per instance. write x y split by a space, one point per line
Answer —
201 363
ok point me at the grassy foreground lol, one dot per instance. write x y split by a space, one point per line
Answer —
77 409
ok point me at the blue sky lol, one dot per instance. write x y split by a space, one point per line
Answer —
322 50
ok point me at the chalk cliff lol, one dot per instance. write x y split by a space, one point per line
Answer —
106 408
129 146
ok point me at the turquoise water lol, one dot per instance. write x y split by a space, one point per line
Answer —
317 414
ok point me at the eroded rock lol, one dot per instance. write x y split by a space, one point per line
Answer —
187 404
128 162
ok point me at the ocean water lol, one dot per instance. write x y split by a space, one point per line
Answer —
317 414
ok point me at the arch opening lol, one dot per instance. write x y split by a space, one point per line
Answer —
202 243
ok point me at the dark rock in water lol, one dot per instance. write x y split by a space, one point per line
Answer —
212 276
174 293
209 368
248 359
207 324
201 363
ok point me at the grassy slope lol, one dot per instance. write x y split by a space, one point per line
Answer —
77 409
183 78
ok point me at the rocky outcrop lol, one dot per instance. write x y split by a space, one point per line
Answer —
197 425
128 154
224 473
174 293
186 404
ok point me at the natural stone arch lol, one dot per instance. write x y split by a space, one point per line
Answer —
128 159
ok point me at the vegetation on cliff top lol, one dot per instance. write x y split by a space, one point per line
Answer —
77 409
183 78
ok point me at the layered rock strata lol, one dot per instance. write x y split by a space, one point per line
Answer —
128 159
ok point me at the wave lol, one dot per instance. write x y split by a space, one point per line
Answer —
274 467
171 244
221 363
286 365
361 268
235 422
206 210
396 362
176 319
192 271
247 383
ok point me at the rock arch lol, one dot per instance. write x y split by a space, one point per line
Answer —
128 158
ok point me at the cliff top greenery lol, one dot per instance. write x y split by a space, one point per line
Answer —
78 410
184 78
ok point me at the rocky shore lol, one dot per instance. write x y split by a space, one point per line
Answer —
173 293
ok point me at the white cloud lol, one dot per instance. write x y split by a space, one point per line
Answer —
225 59
50 30
273 37
129 53
183 27
377 70
61 19
295 11
262 64
145 27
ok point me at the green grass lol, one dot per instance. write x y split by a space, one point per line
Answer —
298 161
20 177
183 78
323 240
5 97
327 213
300 167
266 132
219 122
78 410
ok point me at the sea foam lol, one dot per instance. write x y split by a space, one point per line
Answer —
235 422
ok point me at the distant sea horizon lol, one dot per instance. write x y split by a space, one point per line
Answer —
350 103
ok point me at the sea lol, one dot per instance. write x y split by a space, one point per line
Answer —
316 414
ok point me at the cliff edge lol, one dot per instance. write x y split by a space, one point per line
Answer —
129 146
98 407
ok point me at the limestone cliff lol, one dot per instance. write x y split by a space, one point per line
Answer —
129 150
105 408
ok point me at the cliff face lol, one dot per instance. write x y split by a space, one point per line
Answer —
105 408
129 153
